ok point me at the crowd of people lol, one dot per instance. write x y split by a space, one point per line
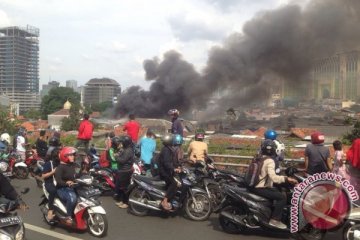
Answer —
59 169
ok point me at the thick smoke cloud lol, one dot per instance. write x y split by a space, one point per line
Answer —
277 44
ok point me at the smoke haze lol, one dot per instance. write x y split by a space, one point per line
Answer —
276 44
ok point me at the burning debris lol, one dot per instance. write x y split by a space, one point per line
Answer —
276 44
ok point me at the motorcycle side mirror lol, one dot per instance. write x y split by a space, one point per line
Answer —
25 191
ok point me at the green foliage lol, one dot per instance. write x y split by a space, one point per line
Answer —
32 114
72 122
99 107
348 138
68 140
348 121
56 98
6 125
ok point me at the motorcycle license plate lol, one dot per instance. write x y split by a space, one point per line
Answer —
8 221
92 192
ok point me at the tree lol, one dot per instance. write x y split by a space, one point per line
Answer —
348 138
56 98
6 124
99 107
32 114
72 122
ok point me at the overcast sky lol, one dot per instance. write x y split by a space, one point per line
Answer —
84 39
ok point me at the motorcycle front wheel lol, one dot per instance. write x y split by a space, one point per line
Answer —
215 195
21 172
311 233
140 195
97 224
198 206
352 232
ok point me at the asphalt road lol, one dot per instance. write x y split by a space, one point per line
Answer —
123 225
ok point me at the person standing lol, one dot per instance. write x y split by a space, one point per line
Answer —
317 156
198 149
132 128
147 149
353 157
85 133
41 145
176 127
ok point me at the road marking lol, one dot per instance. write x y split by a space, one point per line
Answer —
49 233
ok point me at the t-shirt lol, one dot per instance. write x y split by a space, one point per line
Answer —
197 150
132 128
20 140
318 155
147 149
46 169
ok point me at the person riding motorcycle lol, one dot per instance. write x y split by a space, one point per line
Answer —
280 148
4 142
51 162
8 192
168 164
65 177
267 178
125 160
198 149
21 143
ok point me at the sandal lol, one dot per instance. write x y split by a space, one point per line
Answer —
50 216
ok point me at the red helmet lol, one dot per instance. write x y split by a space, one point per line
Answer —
317 138
65 152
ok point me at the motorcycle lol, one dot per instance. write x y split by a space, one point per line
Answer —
146 194
241 210
352 225
88 213
13 165
11 225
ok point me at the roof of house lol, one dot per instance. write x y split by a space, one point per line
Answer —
61 112
302 132
28 126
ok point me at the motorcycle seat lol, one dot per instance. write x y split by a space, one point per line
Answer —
249 195
150 180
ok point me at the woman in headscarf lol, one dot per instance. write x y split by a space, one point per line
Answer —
353 157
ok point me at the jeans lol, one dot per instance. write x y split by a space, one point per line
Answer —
51 189
122 182
68 196
272 194
171 187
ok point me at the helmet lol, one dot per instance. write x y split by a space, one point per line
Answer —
177 139
126 141
280 148
5 137
174 112
65 152
199 136
115 142
167 139
22 131
268 148
317 138
54 141
270 134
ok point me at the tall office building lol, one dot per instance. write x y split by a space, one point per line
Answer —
47 87
73 84
19 66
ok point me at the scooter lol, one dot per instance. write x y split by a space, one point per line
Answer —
11 225
88 213
146 194
352 225
13 165
241 210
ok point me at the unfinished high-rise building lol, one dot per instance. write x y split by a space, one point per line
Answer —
19 66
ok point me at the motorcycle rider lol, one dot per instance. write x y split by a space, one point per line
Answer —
198 149
125 160
41 145
113 150
65 177
176 127
7 191
280 148
51 162
4 142
168 164
267 178
21 143
317 156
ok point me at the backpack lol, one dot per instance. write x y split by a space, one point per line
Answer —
154 165
253 172
103 160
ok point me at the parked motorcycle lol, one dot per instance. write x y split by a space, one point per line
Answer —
352 225
241 210
11 225
88 213
13 165
146 194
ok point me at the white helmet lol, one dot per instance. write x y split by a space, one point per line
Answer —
5 137
280 148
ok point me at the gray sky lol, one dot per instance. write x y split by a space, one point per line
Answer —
84 39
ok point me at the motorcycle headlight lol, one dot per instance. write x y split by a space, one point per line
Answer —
20 234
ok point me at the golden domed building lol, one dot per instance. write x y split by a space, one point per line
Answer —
55 118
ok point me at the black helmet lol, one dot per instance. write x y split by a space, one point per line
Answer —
115 142
167 139
268 147
126 141
54 141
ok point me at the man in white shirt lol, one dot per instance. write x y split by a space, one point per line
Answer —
20 144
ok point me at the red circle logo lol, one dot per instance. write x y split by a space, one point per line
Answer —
325 206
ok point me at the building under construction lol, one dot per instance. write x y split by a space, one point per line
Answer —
19 66
337 77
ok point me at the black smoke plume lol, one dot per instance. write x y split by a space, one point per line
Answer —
277 44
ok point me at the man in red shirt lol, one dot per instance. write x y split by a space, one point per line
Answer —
85 133
132 128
